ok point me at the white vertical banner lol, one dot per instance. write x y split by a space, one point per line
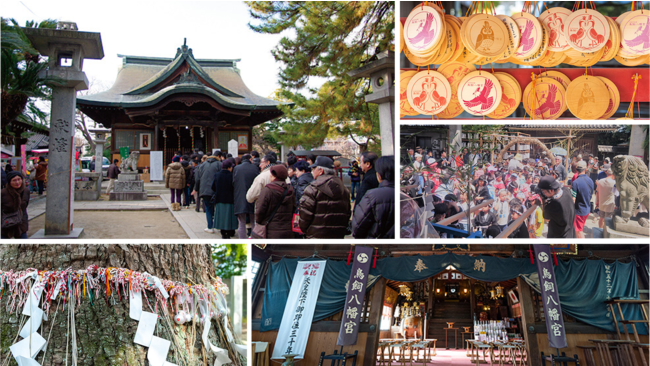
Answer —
299 311
156 162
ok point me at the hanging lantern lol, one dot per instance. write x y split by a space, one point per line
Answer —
499 290
493 294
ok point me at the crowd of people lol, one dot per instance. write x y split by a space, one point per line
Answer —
565 192
263 197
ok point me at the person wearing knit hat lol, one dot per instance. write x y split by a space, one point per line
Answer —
279 172
15 198
275 206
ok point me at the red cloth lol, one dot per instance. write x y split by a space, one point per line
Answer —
579 222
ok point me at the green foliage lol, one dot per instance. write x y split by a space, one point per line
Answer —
613 138
107 149
20 80
229 259
329 39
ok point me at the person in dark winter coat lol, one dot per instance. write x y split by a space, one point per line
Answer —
325 204
279 226
15 197
243 177
187 167
224 200
195 196
113 172
4 178
303 172
374 217
203 186
369 181
255 158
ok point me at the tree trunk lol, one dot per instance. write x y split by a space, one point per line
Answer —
105 333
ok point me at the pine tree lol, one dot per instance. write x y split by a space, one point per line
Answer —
327 40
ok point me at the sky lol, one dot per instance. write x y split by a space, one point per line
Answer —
214 30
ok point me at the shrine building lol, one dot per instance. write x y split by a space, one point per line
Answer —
451 304
165 104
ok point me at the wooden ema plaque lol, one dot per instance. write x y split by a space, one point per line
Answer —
554 19
405 108
513 36
561 78
587 97
479 93
401 37
511 96
635 33
531 34
586 30
550 99
486 35
454 72
614 39
428 92
614 98
423 30
453 24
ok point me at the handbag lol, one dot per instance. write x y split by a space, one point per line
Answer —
296 226
259 231
11 220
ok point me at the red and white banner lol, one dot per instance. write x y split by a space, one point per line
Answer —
299 311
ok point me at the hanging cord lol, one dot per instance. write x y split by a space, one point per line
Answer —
50 333
533 106
630 109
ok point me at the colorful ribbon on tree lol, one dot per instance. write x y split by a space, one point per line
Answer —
200 304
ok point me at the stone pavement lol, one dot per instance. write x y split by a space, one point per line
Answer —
191 221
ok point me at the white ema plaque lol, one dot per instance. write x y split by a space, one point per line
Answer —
233 148
156 161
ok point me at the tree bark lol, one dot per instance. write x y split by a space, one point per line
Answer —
105 333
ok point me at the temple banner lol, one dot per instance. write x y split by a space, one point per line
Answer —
299 311
354 299
156 161
550 296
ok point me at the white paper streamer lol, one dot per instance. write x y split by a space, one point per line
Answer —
32 324
33 299
158 349
22 348
146 326
24 361
135 305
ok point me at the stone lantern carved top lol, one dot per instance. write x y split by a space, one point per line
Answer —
66 25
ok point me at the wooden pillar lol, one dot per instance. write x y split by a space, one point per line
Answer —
472 300
528 320
374 319
156 142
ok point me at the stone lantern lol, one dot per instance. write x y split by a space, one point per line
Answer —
382 75
66 49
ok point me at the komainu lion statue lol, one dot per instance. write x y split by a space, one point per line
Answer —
632 183
130 163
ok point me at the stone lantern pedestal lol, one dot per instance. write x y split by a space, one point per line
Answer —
66 49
